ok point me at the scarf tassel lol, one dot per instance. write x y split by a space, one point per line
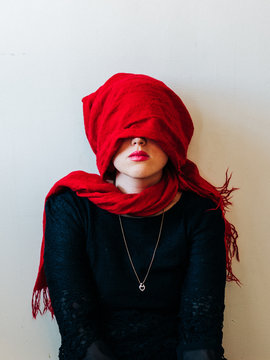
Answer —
47 305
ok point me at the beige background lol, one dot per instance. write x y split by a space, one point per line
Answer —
214 54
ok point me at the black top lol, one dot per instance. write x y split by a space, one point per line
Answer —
100 311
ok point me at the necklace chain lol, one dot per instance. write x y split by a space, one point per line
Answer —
141 283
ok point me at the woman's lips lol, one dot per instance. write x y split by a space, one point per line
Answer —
139 156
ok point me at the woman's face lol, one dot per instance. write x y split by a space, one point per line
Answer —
148 163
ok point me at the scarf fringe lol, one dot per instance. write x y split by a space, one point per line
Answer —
231 233
47 305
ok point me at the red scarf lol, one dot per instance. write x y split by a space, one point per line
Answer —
131 105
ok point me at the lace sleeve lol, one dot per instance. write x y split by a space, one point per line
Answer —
200 318
71 287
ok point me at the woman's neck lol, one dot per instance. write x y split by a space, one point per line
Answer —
131 185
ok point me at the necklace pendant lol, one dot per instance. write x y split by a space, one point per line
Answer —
142 287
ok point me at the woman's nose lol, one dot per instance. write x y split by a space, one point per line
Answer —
138 141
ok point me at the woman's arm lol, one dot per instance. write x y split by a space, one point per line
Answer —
202 297
70 282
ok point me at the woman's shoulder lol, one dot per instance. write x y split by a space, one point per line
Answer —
196 203
204 219
63 195
66 200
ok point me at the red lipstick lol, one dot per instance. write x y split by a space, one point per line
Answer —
139 155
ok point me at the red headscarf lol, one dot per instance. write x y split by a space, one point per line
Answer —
126 106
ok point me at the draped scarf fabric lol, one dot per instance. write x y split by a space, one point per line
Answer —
127 106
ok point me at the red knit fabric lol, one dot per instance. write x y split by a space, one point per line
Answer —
126 106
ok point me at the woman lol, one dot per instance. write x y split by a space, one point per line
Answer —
134 262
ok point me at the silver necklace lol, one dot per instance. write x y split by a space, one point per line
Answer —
141 283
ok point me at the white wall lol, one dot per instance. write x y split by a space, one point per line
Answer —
214 54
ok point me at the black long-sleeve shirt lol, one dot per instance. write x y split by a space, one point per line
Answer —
100 311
